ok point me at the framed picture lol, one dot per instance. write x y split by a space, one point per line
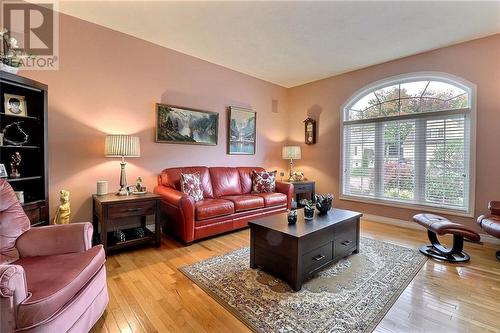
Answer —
15 105
242 131
3 171
176 124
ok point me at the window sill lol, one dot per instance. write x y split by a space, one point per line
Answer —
398 204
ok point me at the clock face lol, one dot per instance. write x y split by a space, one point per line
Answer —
309 139
309 127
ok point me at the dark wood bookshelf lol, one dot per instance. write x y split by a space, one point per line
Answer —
33 169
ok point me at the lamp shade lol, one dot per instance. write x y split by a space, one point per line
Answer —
122 146
292 153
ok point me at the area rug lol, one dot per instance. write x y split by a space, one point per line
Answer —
352 295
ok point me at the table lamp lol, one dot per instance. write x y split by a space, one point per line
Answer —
122 146
291 153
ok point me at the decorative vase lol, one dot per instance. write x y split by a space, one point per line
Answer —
324 203
308 213
8 69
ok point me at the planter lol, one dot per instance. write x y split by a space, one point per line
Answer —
8 69
308 213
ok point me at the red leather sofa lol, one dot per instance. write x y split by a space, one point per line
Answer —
228 202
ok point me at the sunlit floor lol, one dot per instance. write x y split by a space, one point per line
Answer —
149 294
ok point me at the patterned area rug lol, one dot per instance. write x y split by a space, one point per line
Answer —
352 295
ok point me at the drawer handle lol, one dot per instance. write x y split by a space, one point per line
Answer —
133 209
319 257
347 242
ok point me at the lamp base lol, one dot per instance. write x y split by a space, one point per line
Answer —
122 191
123 179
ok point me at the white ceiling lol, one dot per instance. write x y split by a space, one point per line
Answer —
292 43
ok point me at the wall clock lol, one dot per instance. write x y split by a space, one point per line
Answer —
310 131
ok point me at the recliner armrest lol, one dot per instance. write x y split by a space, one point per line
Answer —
494 207
13 291
287 189
55 239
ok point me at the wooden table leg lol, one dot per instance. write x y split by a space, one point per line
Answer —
157 226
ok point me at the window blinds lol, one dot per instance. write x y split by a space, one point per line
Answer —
420 158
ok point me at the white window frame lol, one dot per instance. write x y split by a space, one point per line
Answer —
406 78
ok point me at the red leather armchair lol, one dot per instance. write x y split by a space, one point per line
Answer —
51 278
490 223
228 202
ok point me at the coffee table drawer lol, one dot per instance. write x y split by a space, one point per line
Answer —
317 258
131 209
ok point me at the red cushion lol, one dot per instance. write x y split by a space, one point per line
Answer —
225 181
171 177
273 199
209 208
246 174
55 280
13 223
245 202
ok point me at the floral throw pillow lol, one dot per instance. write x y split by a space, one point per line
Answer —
264 181
191 185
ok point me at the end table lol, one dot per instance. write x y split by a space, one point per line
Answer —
112 212
304 187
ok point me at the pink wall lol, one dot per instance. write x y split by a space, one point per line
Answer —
109 82
477 61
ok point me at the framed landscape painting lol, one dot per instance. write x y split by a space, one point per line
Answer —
176 124
242 131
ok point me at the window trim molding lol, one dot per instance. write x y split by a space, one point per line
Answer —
468 86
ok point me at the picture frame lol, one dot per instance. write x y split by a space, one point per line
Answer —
242 131
3 171
182 125
15 105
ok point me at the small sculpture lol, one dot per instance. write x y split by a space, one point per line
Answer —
64 210
15 162
324 202
292 216
139 187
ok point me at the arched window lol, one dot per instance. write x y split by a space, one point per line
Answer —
407 140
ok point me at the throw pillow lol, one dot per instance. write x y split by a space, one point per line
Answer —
191 185
264 181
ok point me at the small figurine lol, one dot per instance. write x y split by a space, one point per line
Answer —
64 210
15 162
139 187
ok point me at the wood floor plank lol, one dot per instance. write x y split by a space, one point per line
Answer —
149 294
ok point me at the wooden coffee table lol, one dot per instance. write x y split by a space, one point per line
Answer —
295 252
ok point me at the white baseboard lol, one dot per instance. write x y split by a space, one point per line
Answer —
411 225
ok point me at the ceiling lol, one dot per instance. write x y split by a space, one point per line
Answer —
292 43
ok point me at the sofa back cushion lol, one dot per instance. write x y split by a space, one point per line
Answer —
246 177
13 223
171 177
225 181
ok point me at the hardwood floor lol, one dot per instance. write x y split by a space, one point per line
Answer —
149 294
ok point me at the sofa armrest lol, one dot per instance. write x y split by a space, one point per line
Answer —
178 207
13 291
55 239
286 188
494 207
